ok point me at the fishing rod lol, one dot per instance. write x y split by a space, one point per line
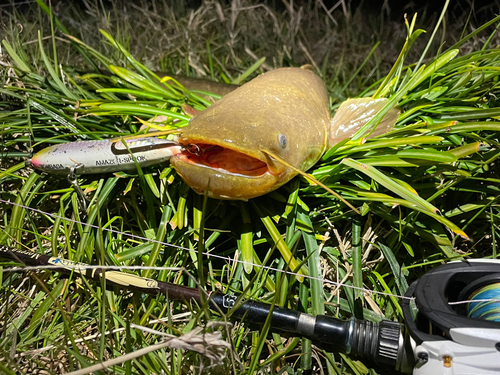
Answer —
451 316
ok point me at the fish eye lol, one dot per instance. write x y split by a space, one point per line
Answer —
282 140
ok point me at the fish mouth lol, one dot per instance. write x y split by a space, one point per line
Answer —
222 172
226 160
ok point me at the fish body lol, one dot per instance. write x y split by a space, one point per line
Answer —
284 111
201 84
101 156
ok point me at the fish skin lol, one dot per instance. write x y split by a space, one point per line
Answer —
289 101
202 84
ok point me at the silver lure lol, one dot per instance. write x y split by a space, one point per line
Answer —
104 156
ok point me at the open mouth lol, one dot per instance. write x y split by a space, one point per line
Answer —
223 159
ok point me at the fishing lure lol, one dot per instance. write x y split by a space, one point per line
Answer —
101 156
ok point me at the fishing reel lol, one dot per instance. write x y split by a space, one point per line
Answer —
452 324
454 319
452 316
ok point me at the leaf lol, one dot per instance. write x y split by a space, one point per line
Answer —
395 268
62 87
390 184
394 142
14 56
428 154
465 150
314 262
152 184
280 244
143 83
420 204
435 65
249 71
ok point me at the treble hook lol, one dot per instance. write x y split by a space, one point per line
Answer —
197 150
72 179
194 149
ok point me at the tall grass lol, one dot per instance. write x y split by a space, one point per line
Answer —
427 191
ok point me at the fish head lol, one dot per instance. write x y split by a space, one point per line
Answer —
283 112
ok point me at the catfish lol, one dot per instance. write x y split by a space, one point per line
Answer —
258 137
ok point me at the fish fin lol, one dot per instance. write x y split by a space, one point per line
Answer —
189 111
311 178
353 114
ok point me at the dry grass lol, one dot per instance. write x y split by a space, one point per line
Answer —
170 37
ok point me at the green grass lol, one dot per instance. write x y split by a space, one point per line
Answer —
428 192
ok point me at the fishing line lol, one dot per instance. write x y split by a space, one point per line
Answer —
494 299
85 266
383 342
473 301
483 297
481 308
207 254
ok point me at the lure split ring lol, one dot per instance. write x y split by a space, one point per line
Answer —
73 180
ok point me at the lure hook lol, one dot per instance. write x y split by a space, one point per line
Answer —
73 180
197 150
194 149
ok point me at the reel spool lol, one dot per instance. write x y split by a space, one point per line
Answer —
459 337
486 293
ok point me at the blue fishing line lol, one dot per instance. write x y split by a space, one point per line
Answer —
486 310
